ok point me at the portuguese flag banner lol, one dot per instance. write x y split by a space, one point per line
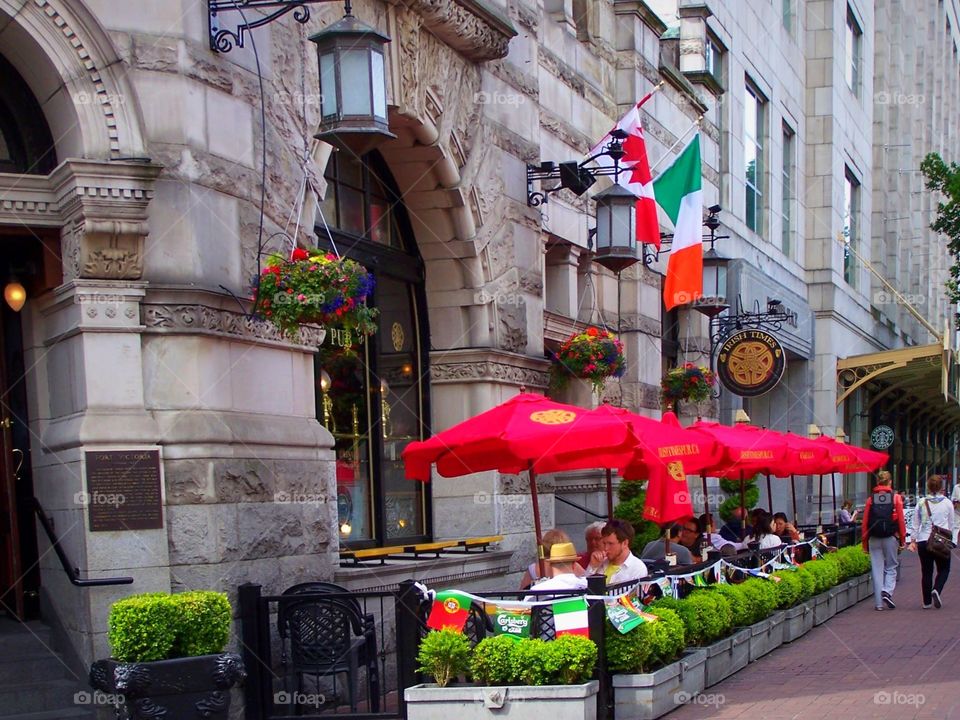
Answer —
450 610
570 617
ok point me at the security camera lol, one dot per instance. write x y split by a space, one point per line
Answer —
714 209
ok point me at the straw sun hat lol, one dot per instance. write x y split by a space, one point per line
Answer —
563 552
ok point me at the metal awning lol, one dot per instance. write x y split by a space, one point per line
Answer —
919 378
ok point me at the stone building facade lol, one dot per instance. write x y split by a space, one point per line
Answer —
139 232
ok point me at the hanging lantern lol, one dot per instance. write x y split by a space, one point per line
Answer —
616 228
353 85
15 295
714 298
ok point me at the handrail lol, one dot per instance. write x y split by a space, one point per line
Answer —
578 506
72 573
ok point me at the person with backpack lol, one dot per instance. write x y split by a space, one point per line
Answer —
884 536
933 513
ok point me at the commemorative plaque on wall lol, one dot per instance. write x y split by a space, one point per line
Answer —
123 490
751 363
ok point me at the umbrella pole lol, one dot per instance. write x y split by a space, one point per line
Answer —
609 494
743 509
820 507
536 520
793 491
769 494
706 498
833 491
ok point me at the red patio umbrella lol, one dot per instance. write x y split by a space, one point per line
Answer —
843 459
528 432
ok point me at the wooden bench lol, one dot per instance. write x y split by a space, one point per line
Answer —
481 543
367 554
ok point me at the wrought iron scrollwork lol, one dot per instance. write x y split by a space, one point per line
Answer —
223 39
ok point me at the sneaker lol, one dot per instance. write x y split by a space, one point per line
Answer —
926 607
879 607
888 599
937 602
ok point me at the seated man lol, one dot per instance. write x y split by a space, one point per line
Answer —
734 530
562 571
718 541
784 528
615 561
656 549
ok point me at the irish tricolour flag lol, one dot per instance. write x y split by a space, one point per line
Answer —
678 192
570 617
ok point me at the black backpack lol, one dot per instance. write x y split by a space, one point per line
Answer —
882 522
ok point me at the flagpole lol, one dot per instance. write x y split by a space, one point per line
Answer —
683 137
651 93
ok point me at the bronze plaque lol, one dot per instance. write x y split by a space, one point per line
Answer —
123 490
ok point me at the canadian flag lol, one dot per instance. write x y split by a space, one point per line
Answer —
636 172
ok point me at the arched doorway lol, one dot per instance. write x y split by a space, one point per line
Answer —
373 396
26 148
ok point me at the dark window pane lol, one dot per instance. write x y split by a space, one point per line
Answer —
350 207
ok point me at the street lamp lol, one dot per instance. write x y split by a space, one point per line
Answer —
616 238
714 298
353 84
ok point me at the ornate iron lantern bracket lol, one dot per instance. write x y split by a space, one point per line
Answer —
223 39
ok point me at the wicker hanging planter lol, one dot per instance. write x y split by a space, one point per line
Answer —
592 355
689 382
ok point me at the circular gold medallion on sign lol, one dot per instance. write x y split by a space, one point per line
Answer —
397 336
553 417
751 363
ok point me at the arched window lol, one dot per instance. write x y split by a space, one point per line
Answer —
373 396
26 145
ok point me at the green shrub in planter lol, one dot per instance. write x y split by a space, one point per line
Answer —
529 662
160 626
808 583
789 588
825 573
647 646
706 616
490 663
143 628
444 655
762 596
570 659
741 612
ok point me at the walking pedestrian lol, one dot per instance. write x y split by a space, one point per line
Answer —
884 534
932 510
955 498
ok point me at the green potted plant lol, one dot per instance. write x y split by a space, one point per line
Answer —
167 656
312 286
592 355
529 679
652 672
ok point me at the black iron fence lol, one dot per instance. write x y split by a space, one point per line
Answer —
318 650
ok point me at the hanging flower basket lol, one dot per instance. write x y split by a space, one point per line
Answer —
593 355
687 383
314 287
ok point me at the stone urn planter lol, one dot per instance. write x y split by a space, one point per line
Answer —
645 696
824 606
727 656
521 702
797 621
182 688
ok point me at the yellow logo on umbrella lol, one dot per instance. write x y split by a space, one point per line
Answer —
675 469
553 417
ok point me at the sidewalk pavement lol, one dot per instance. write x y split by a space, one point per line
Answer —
860 665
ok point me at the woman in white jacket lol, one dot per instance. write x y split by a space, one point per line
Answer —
934 509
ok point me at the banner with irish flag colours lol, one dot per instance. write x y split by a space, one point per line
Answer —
570 617
678 192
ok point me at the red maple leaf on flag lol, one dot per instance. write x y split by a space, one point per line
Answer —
635 151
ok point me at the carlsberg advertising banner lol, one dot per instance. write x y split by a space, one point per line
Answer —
512 621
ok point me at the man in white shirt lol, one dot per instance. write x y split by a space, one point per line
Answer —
561 566
615 561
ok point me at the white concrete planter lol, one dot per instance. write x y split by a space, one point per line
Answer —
865 587
797 621
650 695
852 588
824 606
517 702
766 635
727 656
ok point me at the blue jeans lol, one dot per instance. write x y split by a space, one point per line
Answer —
883 566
